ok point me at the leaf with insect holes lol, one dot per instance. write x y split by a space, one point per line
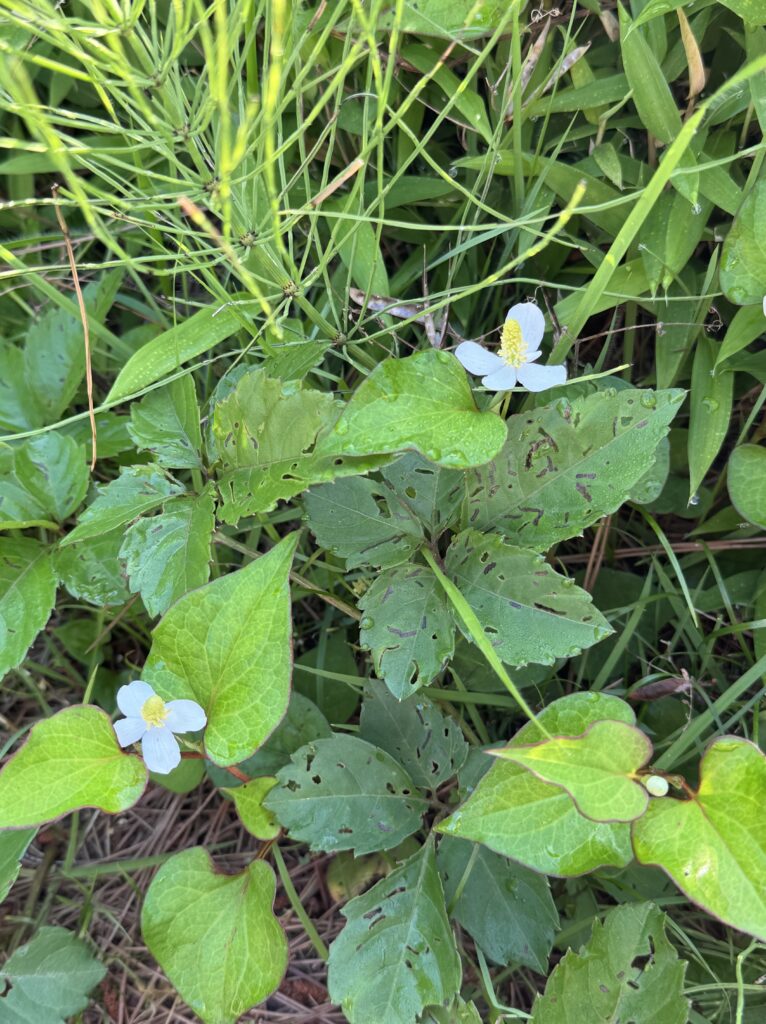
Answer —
408 626
597 769
92 571
628 971
528 611
538 824
166 423
27 594
432 493
396 953
353 519
713 845
345 794
567 465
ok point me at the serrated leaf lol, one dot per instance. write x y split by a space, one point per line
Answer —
743 259
746 480
166 422
92 570
248 799
345 794
507 909
537 824
49 979
13 846
408 627
227 646
567 465
427 744
52 468
528 611
27 594
597 768
70 760
433 494
713 845
396 953
190 907
168 555
138 489
423 403
353 519
628 971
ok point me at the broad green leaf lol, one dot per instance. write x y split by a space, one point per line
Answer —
19 409
227 646
185 777
751 11
710 415
52 468
628 971
18 508
459 1013
713 845
433 494
743 259
164 354
506 908
448 19
396 953
669 236
168 555
248 800
651 92
70 760
353 519
746 479
48 979
652 483
166 423
597 769
423 403
27 593
13 846
427 744
345 794
92 570
528 611
567 465
408 626
745 326
537 824
189 907
655 8
337 700
138 489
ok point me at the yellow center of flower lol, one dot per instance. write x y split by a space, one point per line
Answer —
513 348
154 711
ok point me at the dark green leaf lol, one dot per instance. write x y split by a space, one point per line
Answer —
433 494
27 593
92 570
166 423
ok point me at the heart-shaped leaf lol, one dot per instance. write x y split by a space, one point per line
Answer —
248 800
597 769
227 646
70 760
713 845
190 908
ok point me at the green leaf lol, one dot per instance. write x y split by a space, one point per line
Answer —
743 259
248 800
597 769
227 646
345 794
168 555
13 846
138 489
713 845
353 519
629 971
408 626
48 979
567 465
433 494
52 468
710 415
669 236
190 908
423 403
467 103
448 19
751 11
337 700
459 1013
651 92
185 777
19 409
745 326
27 593
746 479
427 744
396 953
506 908
529 612
537 824
92 570
166 423
70 760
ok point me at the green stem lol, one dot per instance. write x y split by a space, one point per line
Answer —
295 903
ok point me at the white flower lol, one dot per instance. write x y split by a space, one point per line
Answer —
151 720
519 348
